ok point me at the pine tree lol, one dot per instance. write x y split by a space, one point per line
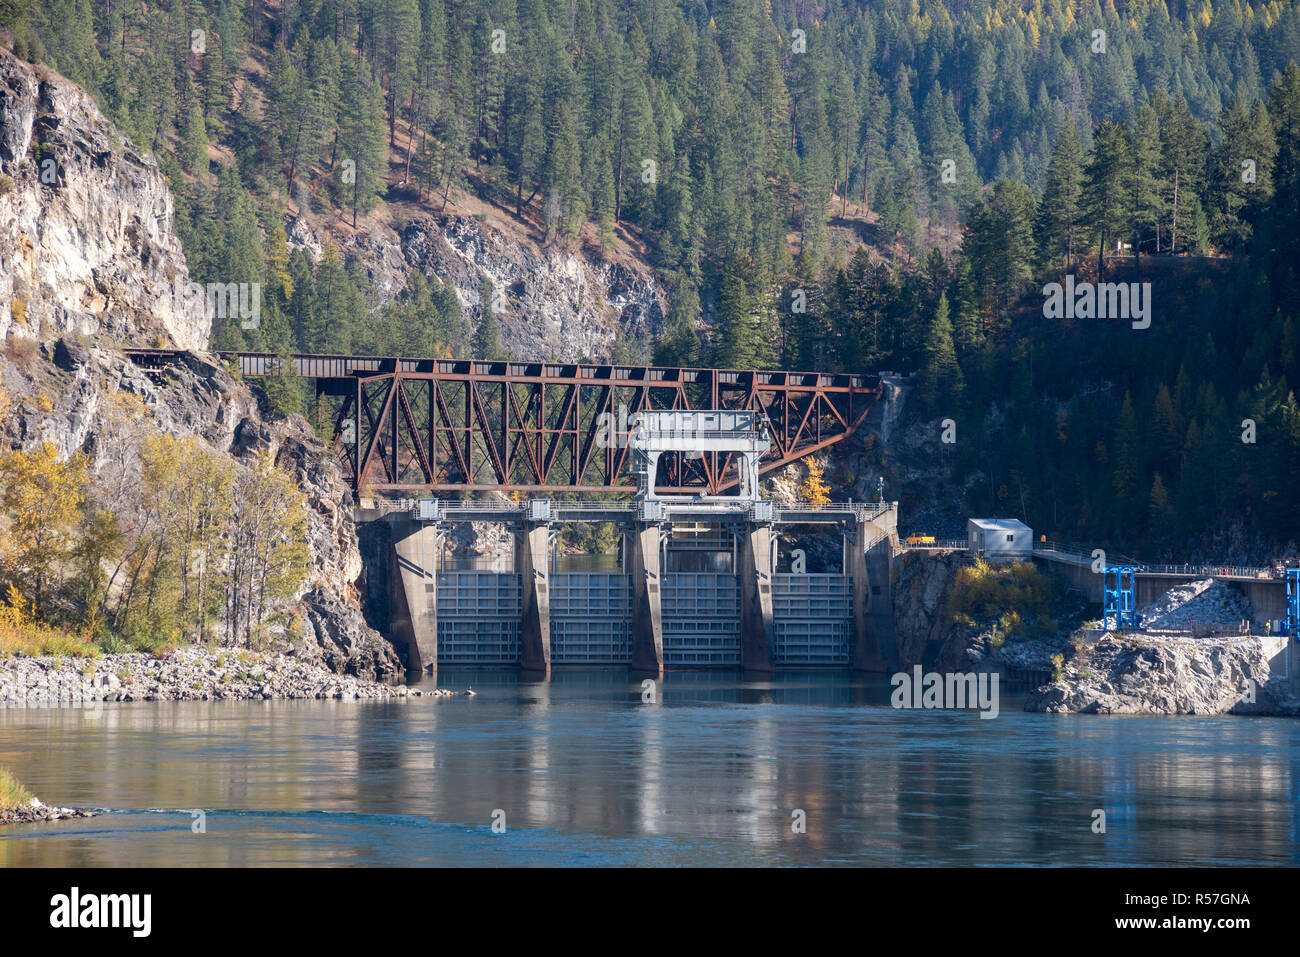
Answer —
1182 150
1241 172
454 156
942 376
968 332
744 331
282 387
679 343
1126 462
487 342
194 141
1105 192
1143 179
363 149
1059 214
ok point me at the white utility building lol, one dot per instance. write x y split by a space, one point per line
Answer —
1007 537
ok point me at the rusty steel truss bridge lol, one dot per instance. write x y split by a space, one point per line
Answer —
402 425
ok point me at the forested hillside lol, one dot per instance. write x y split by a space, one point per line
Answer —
834 185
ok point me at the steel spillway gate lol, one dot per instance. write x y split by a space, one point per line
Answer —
814 619
591 618
701 617
590 614
478 617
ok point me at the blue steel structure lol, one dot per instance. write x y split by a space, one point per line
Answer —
1293 602
1120 599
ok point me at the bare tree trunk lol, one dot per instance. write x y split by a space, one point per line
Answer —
1173 235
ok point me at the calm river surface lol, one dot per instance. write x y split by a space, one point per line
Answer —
587 774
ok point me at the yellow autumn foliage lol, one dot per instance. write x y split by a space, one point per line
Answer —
41 497
814 490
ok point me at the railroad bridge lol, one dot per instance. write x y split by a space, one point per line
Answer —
403 425
429 430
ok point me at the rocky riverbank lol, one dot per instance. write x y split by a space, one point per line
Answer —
37 812
1136 675
187 674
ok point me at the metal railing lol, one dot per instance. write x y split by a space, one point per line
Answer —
1113 559
1190 569
875 507
388 505
1218 571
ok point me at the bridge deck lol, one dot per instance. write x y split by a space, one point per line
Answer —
837 513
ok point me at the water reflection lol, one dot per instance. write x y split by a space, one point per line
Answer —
709 773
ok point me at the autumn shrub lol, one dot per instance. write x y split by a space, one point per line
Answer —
1058 667
20 633
21 351
1016 596
12 793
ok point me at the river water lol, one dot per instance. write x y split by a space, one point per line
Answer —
581 771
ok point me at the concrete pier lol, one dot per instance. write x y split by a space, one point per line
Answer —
415 550
757 618
532 561
643 544
870 564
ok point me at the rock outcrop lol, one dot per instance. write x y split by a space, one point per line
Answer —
928 635
1167 676
549 302
37 812
66 400
88 263
67 396
344 642
86 239
921 622
554 302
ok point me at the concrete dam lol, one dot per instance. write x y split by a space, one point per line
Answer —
657 609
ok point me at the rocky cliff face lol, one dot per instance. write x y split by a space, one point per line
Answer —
921 623
549 302
1168 676
86 240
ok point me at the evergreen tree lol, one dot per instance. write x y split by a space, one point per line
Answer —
487 343
1105 191
942 378
1060 214
362 152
